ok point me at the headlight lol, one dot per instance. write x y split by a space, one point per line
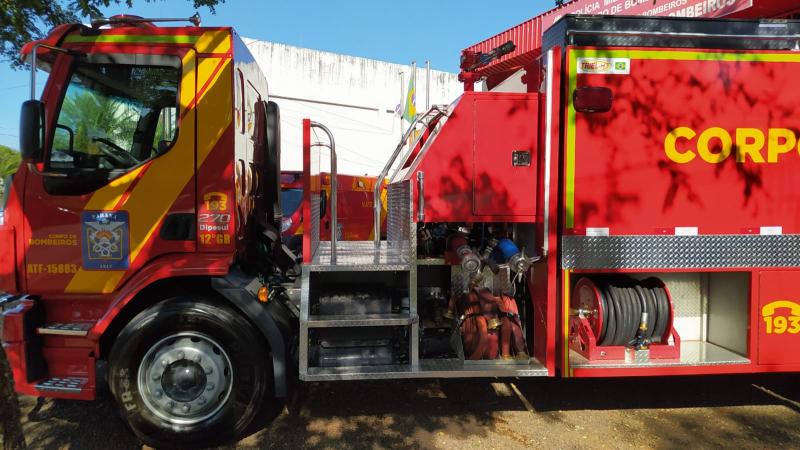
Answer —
286 223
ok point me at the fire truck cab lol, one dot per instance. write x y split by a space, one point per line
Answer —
146 205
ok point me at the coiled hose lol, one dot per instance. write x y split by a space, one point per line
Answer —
630 311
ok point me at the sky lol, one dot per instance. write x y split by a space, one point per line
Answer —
399 32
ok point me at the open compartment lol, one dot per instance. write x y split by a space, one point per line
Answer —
343 293
707 324
472 295
436 339
358 346
356 320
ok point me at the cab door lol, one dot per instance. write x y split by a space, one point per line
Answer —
113 190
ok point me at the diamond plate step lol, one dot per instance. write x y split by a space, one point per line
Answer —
361 320
80 329
73 385
430 368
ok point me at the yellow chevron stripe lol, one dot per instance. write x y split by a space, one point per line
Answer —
214 42
216 98
108 196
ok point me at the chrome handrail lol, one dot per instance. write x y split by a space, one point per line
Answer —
416 141
376 194
334 186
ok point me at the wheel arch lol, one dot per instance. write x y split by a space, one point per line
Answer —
272 321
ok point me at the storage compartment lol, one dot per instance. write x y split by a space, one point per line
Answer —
710 316
353 293
471 316
779 325
349 301
437 340
366 346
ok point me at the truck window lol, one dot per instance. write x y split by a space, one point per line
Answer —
290 201
115 116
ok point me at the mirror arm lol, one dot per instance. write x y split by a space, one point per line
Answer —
34 51
32 167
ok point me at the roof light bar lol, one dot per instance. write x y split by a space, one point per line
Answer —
97 23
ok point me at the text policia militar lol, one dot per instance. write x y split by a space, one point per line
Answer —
677 8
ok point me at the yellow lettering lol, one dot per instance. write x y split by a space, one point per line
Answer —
725 149
749 142
776 147
670 147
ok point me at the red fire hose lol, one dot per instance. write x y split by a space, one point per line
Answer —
511 336
479 313
474 331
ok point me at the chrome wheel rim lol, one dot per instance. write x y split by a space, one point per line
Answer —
185 378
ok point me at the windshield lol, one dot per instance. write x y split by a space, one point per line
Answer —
115 116
290 201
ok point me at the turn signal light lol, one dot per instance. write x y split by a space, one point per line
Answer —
263 294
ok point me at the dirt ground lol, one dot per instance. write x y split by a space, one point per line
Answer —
731 412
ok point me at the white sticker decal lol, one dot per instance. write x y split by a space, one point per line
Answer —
607 66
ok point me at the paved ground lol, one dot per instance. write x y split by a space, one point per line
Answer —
731 412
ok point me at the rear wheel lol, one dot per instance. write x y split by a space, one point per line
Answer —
187 372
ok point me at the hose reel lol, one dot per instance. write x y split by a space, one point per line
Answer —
620 312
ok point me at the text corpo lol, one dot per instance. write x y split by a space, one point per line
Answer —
715 145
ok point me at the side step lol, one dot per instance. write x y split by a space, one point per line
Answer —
77 329
431 368
361 320
70 385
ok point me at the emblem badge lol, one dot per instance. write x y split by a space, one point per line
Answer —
106 240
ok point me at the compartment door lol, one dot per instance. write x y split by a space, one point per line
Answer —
779 318
504 173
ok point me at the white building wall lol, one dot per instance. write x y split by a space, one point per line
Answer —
355 97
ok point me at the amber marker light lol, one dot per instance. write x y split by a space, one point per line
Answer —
263 294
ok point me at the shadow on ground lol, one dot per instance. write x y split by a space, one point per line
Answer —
741 411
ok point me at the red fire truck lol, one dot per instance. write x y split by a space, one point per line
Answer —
619 203
354 211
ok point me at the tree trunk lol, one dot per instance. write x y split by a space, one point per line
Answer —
10 426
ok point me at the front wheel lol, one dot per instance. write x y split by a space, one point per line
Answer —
187 372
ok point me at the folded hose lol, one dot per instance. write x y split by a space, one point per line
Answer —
490 325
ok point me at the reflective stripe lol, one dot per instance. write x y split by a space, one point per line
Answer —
132 39
686 231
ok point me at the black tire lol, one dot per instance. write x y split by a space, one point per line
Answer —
249 381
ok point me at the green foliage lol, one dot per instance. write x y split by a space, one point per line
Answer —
88 113
9 161
22 21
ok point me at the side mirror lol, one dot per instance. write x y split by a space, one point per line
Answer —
31 131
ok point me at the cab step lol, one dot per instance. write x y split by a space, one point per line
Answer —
71 385
77 329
